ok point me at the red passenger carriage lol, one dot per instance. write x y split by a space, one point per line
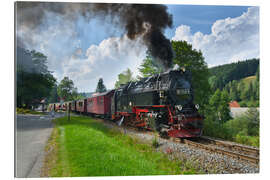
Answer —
80 106
100 104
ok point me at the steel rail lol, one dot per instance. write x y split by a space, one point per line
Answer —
236 155
233 146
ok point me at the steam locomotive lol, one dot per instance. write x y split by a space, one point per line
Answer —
163 102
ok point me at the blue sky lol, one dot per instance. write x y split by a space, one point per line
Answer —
87 50
201 17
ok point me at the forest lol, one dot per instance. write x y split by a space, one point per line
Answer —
223 74
240 80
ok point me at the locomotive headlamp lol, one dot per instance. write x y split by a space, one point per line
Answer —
161 94
183 69
179 107
197 106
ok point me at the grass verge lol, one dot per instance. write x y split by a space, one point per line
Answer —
28 111
85 147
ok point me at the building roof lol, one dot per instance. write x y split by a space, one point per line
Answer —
234 104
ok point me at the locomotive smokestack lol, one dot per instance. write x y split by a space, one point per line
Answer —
131 17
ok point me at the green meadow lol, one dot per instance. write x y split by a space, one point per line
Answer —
85 147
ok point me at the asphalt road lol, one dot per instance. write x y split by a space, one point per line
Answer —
32 134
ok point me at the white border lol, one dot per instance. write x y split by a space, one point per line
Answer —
7 86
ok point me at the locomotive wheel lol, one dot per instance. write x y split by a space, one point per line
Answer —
164 134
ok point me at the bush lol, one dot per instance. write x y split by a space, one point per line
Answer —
255 141
22 111
236 125
215 128
252 104
243 129
27 111
155 142
248 140
243 104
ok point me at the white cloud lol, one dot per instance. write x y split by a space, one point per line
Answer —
231 39
111 57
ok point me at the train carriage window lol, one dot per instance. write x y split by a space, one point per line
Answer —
90 102
101 100
80 104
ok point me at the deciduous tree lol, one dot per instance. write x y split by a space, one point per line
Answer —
123 78
34 80
149 67
193 60
66 89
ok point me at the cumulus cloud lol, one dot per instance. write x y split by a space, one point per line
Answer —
230 40
111 57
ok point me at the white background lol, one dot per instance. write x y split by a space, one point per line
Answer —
7 88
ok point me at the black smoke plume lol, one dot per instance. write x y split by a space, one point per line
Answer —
138 20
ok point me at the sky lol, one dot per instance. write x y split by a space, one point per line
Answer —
88 50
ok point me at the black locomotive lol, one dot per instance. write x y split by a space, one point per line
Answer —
163 102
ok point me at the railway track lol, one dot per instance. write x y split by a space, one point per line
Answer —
237 151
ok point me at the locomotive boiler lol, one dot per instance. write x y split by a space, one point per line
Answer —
163 102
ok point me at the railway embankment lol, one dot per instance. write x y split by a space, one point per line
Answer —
210 160
85 143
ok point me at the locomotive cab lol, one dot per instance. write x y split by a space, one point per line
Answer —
180 90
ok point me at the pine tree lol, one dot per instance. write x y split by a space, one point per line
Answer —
241 89
256 91
251 92
224 106
245 94
257 85
235 96
100 86
219 103
214 100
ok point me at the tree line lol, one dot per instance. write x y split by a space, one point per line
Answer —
245 91
67 91
221 75
240 80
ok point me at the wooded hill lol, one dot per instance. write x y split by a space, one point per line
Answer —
223 74
240 80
